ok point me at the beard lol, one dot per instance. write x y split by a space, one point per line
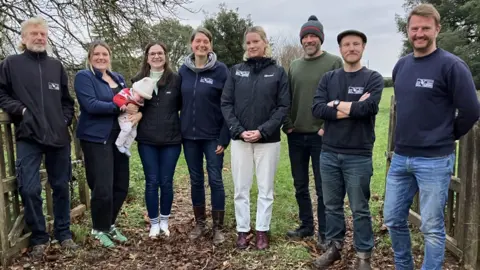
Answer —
311 51
422 48
36 47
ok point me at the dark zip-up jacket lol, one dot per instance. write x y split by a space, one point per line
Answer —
39 83
160 123
354 135
256 97
98 113
201 115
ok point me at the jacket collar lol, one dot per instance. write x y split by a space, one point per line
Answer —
114 76
35 55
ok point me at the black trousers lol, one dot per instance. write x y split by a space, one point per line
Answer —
59 171
107 172
302 148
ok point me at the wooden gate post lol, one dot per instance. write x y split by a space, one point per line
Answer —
469 166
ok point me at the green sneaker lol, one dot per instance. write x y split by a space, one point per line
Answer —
103 238
115 234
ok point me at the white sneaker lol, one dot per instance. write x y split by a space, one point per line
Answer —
154 231
164 227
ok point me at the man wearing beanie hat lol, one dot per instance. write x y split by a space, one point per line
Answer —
303 130
347 100
140 90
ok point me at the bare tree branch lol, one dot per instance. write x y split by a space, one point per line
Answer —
74 23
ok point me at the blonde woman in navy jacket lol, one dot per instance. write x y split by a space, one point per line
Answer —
107 170
204 131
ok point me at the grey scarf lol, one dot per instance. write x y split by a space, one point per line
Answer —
190 62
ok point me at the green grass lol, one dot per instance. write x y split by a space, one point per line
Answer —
282 253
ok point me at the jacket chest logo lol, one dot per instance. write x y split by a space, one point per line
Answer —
53 86
242 73
424 83
355 90
268 75
206 80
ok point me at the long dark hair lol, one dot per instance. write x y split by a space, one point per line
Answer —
145 67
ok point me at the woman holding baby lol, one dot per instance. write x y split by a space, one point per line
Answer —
106 168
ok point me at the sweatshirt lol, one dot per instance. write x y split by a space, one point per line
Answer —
354 135
428 90
304 75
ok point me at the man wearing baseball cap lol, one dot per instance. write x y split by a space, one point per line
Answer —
303 130
347 100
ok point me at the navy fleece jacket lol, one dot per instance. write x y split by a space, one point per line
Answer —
201 116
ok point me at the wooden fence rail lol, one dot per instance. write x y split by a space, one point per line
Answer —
14 235
462 218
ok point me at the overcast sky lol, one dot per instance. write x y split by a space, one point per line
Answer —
376 18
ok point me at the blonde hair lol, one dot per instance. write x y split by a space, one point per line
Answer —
425 10
91 49
261 32
34 21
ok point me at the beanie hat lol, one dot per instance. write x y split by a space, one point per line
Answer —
313 26
144 87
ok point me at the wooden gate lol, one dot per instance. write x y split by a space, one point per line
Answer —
14 235
462 212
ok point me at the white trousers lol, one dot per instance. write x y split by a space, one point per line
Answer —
128 132
245 157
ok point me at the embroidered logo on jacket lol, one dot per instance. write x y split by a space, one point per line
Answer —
424 83
206 80
355 90
242 73
54 86
268 75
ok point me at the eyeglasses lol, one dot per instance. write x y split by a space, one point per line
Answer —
152 54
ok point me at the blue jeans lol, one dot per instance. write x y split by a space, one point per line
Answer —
159 164
301 148
406 176
194 150
347 174
59 171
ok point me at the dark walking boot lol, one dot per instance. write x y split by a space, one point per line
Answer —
321 242
329 257
242 241
262 240
218 236
37 252
363 261
300 233
200 226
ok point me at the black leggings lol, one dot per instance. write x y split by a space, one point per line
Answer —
107 172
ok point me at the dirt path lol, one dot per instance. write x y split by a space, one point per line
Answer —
178 252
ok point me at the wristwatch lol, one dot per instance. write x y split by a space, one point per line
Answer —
335 103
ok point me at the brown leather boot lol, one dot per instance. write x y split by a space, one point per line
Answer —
200 226
242 241
262 240
217 217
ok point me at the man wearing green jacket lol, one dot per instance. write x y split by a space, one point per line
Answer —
303 130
